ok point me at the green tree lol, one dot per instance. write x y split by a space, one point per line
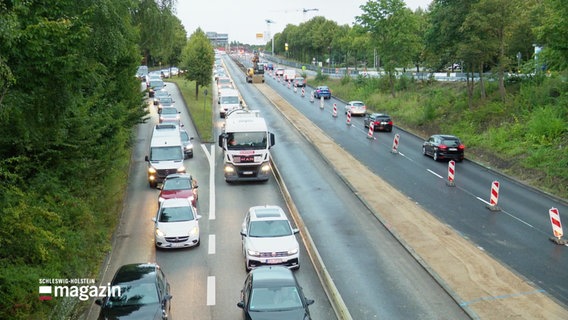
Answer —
198 58
395 31
552 33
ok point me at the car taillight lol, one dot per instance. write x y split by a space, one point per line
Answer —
390 123
461 147
443 147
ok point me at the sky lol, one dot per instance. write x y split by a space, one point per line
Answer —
242 20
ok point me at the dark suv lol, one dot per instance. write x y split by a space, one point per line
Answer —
144 294
443 146
273 293
380 121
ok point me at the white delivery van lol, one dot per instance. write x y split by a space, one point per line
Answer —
229 99
246 142
166 153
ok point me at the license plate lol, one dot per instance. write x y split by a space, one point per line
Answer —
383 123
177 245
273 261
247 172
453 149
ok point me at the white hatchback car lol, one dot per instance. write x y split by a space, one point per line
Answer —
176 224
269 239
356 107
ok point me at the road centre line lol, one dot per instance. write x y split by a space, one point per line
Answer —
211 249
211 160
211 291
434 173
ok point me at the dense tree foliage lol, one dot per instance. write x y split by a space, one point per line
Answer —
68 102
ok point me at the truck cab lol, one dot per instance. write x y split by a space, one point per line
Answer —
246 142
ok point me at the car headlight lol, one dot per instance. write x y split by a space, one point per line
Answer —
229 169
151 170
194 232
159 233
181 169
293 251
189 147
253 253
265 167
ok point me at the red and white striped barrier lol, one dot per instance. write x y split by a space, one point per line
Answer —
335 110
295 89
348 117
303 92
395 143
556 223
494 198
312 97
288 84
321 102
371 133
451 173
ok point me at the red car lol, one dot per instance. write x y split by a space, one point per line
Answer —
179 185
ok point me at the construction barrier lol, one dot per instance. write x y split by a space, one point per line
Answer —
494 198
295 89
556 226
335 110
371 133
312 97
321 102
451 173
303 92
348 117
395 143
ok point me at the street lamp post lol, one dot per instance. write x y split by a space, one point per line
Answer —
268 23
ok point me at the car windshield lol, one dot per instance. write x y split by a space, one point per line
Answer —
176 184
134 295
166 100
184 136
269 228
166 153
169 111
358 104
176 214
156 84
229 100
274 299
246 140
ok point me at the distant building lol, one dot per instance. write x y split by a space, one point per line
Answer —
218 39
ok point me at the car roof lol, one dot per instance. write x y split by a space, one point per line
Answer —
356 101
269 276
380 115
267 213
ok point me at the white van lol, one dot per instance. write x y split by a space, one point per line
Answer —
229 99
166 154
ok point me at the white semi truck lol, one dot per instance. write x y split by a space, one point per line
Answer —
246 142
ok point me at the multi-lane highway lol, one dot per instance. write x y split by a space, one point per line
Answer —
376 275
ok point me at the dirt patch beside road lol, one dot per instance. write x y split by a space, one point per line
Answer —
482 285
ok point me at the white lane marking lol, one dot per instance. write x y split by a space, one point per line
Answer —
210 291
211 159
510 215
434 173
211 244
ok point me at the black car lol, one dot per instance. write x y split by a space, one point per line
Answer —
272 292
380 121
443 146
144 294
